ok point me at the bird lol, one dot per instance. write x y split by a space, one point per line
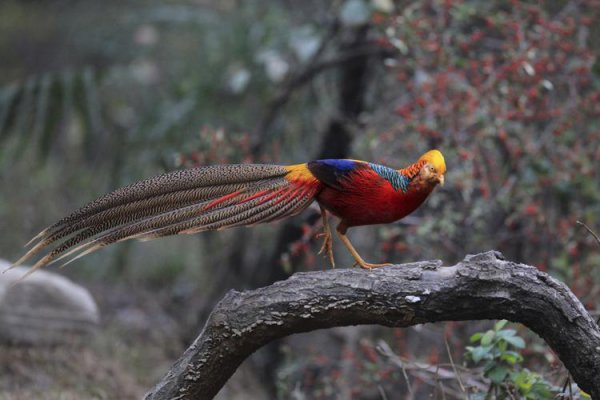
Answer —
215 197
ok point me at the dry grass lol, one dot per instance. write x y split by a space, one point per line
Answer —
64 373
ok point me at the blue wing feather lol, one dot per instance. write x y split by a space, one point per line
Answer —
332 172
339 164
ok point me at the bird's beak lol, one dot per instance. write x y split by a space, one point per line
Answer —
441 180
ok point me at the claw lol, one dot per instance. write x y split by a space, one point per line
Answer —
327 246
341 230
370 266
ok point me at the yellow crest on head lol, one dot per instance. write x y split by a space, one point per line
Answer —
435 158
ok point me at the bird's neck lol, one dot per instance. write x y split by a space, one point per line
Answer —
412 170
418 185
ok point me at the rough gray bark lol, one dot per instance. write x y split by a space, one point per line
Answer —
483 286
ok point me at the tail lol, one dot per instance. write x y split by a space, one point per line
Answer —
180 202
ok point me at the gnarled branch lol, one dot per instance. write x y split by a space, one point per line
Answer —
484 286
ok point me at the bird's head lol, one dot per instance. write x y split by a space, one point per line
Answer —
434 167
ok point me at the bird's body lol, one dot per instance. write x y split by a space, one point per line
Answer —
223 196
361 193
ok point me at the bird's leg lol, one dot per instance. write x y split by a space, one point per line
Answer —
327 246
341 230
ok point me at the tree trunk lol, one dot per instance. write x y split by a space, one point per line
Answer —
484 286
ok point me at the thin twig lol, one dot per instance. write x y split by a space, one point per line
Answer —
454 366
295 81
439 382
570 389
382 392
281 99
567 383
385 349
426 372
443 389
598 240
408 385
488 395
590 231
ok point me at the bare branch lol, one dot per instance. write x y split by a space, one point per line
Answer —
308 74
590 231
484 286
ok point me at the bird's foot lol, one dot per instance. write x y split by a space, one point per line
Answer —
327 246
366 265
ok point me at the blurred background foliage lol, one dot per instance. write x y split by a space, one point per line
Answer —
95 95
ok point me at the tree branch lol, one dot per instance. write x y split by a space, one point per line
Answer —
306 76
484 286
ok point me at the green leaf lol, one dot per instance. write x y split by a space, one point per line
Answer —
475 337
505 333
480 353
497 374
511 357
501 346
516 341
487 338
500 324
542 390
532 385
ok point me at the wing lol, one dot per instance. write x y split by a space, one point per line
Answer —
336 173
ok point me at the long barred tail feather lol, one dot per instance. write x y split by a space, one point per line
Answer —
180 202
121 214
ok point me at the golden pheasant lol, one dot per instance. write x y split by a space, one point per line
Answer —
222 196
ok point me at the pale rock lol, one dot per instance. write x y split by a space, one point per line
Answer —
43 309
